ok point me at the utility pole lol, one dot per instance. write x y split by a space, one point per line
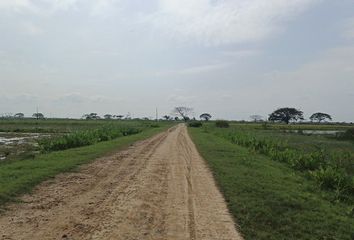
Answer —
157 115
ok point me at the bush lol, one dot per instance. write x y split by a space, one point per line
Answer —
84 138
195 124
222 124
333 178
347 135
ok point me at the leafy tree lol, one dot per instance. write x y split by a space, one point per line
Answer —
38 115
183 112
205 116
320 117
176 119
108 116
91 116
256 118
19 115
286 115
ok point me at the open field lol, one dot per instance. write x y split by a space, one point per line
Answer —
272 198
23 138
278 183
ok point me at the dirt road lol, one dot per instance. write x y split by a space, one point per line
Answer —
159 188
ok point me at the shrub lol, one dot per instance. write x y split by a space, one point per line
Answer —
84 138
347 135
222 124
195 124
333 178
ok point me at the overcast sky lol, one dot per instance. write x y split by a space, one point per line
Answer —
232 58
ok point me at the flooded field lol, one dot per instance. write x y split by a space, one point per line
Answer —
315 132
15 144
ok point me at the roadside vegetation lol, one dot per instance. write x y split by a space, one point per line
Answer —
84 142
280 183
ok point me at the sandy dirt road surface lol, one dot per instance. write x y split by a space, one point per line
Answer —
159 188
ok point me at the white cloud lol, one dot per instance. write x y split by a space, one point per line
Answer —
224 22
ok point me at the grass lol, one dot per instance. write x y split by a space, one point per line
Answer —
268 198
20 176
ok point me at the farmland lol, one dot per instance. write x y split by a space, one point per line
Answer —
283 181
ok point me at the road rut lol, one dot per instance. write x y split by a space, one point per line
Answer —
159 188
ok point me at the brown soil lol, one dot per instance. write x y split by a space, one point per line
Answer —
159 188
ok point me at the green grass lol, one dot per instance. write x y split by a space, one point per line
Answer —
20 176
61 125
270 200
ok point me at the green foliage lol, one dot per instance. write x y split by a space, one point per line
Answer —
222 124
318 161
347 135
320 117
84 138
334 179
195 124
268 199
286 115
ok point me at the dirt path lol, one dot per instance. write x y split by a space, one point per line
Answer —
159 188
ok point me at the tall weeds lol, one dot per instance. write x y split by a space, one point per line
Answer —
85 137
327 169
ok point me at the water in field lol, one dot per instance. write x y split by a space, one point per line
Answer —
316 132
17 143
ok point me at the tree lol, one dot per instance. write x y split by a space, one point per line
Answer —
167 118
19 115
119 117
205 116
108 116
38 115
320 117
286 115
256 118
183 112
91 116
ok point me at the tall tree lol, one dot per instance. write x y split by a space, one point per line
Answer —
320 117
38 115
19 115
108 116
205 116
184 112
91 116
286 115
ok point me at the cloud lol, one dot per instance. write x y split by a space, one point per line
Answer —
224 21
193 70
242 53
31 29
325 84
348 29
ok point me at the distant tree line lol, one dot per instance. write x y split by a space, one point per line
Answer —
285 115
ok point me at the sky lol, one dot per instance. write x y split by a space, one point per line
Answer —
230 58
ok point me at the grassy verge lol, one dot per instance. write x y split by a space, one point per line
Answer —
18 177
268 200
